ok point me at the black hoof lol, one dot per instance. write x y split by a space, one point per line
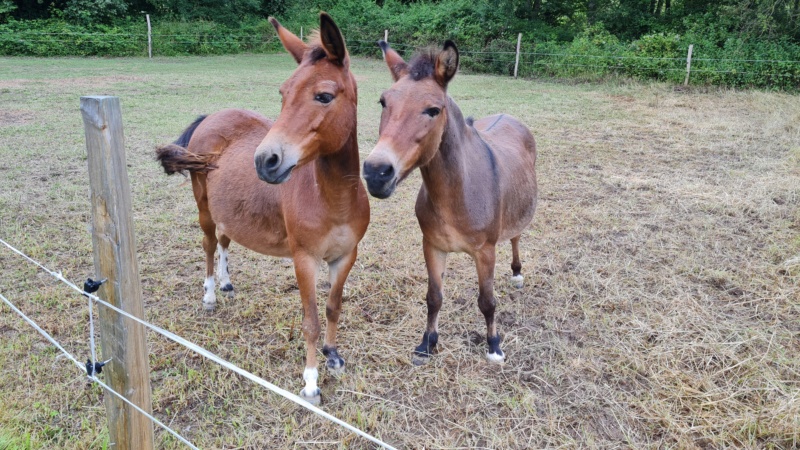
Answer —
334 363
425 350
227 288
495 355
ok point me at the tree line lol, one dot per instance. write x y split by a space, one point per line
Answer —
740 42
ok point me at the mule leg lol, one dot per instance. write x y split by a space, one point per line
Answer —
484 262
209 239
306 268
435 261
210 246
338 271
222 271
517 280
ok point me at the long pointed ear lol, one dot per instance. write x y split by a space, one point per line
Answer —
293 44
397 66
332 40
446 64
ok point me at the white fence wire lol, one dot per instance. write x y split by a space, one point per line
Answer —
175 338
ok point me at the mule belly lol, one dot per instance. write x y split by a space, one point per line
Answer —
266 242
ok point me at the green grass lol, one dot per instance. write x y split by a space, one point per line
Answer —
662 278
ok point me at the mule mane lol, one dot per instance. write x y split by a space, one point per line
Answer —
423 64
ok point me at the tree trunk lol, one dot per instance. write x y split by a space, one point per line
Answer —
537 6
657 12
652 7
667 6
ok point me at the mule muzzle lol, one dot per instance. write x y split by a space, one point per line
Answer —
272 167
381 179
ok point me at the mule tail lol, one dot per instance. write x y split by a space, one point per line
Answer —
176 158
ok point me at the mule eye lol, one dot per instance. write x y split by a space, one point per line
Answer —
324 98
433 112
382 102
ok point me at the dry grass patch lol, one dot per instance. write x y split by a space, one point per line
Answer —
663 283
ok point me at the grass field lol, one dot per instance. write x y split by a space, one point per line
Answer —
662 305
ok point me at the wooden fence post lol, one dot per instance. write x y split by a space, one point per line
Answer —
122 339
688 65
516 64
301 33
386 36
149 38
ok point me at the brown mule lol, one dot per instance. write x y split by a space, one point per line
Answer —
314 209
479 179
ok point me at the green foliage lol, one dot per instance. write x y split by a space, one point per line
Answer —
88 12
736 42
6 8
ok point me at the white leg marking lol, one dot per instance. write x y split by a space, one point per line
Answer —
222 270
210 297
495 358
518 281
310 393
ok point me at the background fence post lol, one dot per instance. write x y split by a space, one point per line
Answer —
301 33
386 36
516 64
149 38
688 65
122 340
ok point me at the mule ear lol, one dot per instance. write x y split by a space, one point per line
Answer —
293 44
446 64
397 66
332 39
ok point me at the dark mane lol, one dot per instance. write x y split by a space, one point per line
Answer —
422 64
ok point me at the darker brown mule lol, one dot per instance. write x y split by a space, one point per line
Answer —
479 179
314 210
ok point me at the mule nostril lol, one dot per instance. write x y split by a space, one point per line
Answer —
272 161
387 172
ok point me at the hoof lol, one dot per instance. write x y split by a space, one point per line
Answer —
517 281
335 366
420 360
496 358
314 399
228 290
334 363
209 307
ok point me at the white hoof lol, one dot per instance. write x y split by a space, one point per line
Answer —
518 281
315 398
494 358
210 297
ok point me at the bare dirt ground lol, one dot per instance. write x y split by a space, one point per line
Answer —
661 306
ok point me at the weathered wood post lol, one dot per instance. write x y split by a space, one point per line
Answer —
516 64
386 36
688 65
122 339
149 38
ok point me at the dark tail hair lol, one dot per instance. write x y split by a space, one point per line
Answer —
176 158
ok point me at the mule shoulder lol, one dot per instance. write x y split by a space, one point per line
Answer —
222 128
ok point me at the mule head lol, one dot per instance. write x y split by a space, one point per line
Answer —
414 116
318 103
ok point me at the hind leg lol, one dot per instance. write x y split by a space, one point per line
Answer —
209 240
222 271
210 246
517 280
